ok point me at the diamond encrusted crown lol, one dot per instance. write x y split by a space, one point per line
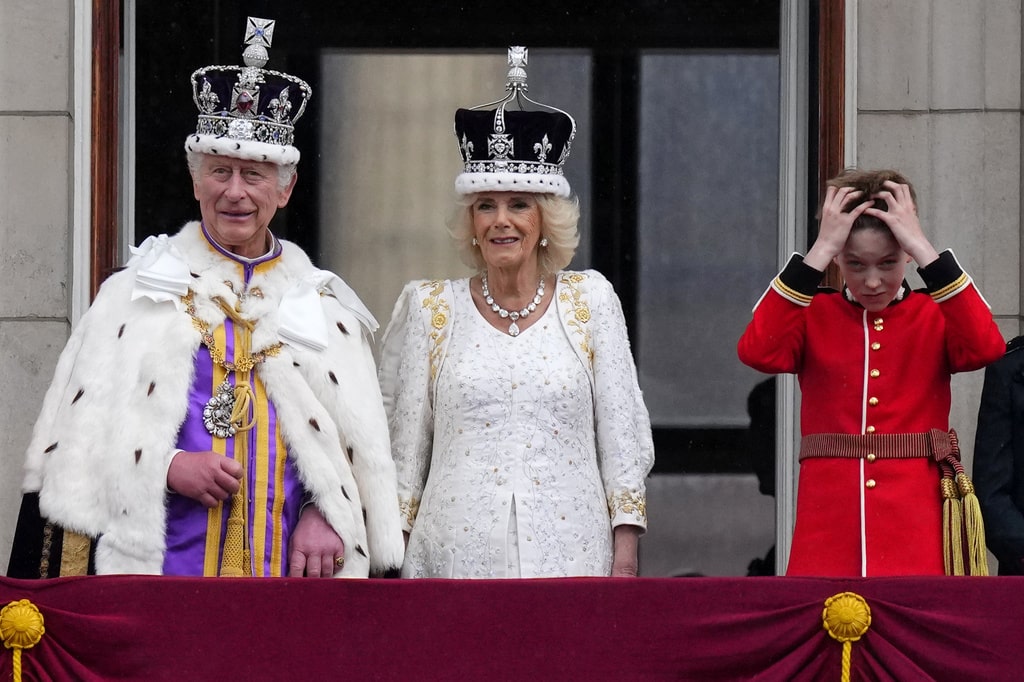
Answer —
514 150
248 111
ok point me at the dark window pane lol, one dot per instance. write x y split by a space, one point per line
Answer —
708 228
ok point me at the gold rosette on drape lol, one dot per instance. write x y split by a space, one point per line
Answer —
846 618
21 627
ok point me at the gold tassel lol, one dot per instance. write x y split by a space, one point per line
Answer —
974 526
236 556
952 528
233 563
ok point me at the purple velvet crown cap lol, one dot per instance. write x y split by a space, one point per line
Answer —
247 111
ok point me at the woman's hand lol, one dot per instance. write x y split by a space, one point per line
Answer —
834 228
624 551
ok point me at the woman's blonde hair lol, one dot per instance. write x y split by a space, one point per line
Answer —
559 217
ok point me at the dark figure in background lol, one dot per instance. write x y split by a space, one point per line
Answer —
761 450
999 458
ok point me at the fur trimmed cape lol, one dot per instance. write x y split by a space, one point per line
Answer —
101 447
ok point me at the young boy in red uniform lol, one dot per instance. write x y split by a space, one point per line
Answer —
874 363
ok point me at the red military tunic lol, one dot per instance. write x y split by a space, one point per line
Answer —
863 372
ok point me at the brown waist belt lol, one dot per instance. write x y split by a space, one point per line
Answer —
963 530
936 444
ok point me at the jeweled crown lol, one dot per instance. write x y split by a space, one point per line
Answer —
248 111
514 150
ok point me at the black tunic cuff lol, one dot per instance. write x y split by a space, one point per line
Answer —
800 277
941 272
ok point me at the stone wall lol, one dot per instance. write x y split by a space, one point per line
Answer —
939 97
35 231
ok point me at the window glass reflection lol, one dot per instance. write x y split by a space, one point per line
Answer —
708 221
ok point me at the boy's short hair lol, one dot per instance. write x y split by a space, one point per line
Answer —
869 182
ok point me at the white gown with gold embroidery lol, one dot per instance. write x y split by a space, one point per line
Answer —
504 450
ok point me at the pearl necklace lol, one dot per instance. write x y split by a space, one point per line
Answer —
513 329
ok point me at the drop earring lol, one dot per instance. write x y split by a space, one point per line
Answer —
474 241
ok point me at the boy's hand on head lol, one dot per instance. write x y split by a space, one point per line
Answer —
835 225
901 217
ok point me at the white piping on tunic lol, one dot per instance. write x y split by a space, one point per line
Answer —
863 427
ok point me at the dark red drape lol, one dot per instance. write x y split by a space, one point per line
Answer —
151 628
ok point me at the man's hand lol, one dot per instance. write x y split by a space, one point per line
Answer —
315 551
206 477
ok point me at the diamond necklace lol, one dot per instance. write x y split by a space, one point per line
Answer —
513 329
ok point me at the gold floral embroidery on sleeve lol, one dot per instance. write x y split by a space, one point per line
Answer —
579 315
439 316
630 503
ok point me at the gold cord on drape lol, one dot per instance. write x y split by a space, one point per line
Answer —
846 618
